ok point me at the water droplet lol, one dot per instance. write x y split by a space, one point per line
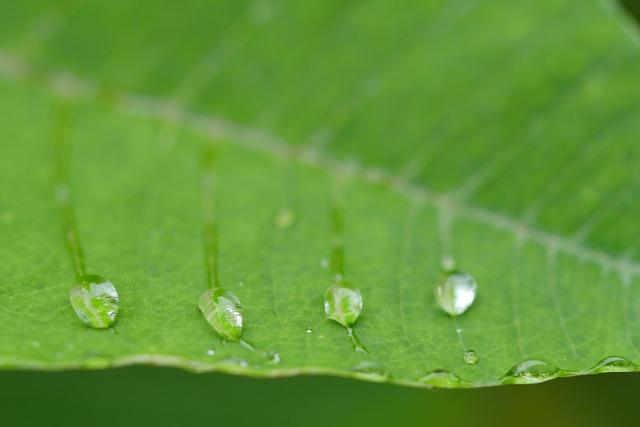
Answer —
95 301
272 357
309 330
211 352
324 263
343 303
613 364
470 357
370 369
285 218
223 311
455 292
443 379
530 372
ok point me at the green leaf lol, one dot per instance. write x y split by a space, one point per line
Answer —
501 136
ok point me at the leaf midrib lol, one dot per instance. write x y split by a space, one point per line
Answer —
68 85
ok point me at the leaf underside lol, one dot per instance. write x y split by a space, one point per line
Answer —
503 133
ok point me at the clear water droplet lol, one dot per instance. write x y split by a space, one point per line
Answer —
343 303
285 218
613 364
324 263
309 330
443 379
530 372
211 352
223 311
272 357
470 357
95 301
455 292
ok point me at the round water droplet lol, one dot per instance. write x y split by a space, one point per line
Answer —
211 352
285 218
95 301
530 372
613 364
324 263
455 292
343 303
443 379
309 330
272 357
223 311
470 357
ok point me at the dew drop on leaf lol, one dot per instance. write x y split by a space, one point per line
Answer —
455 292
613 364
530 372
95 301
223 311
343 303
470 357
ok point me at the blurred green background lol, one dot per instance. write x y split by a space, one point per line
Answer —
160 396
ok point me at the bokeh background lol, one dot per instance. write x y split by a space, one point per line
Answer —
141 396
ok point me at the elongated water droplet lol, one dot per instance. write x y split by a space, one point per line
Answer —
223 311
530 372
443 379
95 301
343 303
470 357
455 292
285 218
613 364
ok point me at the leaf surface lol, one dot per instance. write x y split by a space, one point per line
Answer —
500 133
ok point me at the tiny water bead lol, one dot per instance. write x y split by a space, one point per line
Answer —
470 357
223 311
343 303
530 372
455 292
613 364
95 301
